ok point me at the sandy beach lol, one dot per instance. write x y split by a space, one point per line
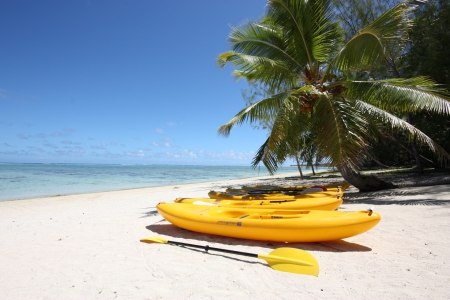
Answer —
87 247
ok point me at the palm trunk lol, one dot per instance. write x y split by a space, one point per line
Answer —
415 151
312 168
299 167
365 183
417 158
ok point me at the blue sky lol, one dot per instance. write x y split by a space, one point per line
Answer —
121 82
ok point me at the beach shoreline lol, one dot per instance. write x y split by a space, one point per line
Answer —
214 184
26 181
86 246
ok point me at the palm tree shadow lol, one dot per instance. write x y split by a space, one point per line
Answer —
162 227
151 213
432 196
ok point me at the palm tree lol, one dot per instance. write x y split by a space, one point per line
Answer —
297 51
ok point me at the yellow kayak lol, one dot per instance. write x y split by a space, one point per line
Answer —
341 185
269 225
272 196
268 191
325 203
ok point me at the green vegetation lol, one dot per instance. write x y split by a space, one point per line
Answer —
320 84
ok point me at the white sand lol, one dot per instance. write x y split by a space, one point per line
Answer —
87 247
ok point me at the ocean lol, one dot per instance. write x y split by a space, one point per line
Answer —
22 181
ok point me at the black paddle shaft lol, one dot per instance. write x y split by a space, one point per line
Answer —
206 248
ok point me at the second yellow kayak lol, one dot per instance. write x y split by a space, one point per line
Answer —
341 185
276 196
324 203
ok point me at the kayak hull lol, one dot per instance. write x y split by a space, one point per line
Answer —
326 203
275 191
342 186
269 225
273 196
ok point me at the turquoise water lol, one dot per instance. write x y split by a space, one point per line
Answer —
21 181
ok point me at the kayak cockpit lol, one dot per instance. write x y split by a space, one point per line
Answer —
238 214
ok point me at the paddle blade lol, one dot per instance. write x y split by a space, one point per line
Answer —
150 240
292 260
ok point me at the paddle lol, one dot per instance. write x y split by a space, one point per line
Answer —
282 259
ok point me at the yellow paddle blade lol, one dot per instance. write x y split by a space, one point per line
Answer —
292 260
150 240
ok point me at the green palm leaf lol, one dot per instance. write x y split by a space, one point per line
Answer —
253 113
255 68
366 49
341 132
264 41
284 137
401 95
307 26
397 124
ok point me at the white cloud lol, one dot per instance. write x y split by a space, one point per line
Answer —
188 153
69 130
139 153
57 133
159 131
226 155
171 124
18 152
101 146
32 148
107 154
204 156
50 145
70 152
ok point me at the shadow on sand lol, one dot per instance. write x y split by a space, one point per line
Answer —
163 228
432 195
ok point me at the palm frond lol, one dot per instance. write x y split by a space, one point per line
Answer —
270 160
401 95
397 124
308 26
367 47
256 68
254 112
284 14
260 39
341 131
284 138
364 50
